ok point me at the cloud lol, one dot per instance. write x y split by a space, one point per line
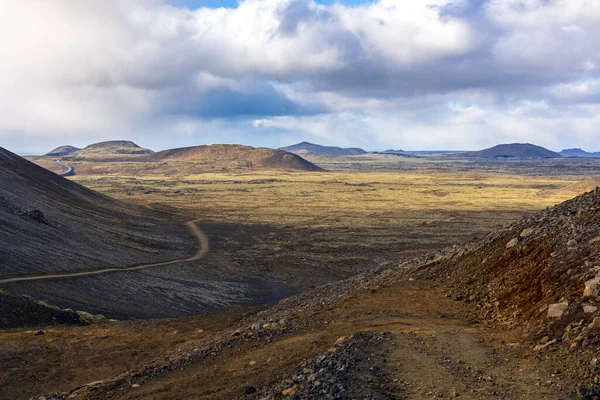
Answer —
421 73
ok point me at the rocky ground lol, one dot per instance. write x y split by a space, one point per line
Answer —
497 318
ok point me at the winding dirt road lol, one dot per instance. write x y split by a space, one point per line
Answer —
68 170
202 250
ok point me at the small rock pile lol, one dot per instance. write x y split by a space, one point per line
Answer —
347 370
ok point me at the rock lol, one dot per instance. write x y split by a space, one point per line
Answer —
594 362
38 216
590 309
557 310
39 333
592 288
526 232
545 345
586 393
92 318
340 340
249 390
322 358
595 323
290 391
512 243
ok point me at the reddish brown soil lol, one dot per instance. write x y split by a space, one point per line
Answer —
65 357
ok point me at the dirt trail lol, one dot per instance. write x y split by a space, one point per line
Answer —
203 249
431 352
67 169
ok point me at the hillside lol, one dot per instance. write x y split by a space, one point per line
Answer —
514 150
228 154
51 224
110 148
62 151
310 148
578 153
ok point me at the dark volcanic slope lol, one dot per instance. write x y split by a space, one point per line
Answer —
244 155
310 148
62 151
514 150
50 224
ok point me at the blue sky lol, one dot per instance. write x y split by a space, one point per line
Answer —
409 74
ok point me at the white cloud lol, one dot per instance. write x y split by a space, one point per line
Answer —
401 73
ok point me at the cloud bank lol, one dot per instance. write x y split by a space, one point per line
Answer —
419 74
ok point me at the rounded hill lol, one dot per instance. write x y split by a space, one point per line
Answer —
513 150
63 151
113 147
244 156
311 148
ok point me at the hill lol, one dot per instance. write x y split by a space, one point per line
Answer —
578 153
228 154
51 224
514 150
310 148
113 147
62 151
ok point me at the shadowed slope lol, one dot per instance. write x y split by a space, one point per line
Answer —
50 224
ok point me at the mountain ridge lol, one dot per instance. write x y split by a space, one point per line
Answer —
311 148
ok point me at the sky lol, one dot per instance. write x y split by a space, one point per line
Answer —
402 74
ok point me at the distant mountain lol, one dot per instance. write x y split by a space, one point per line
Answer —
513 150
391 151
578 153
310 148
226 154
113 147
62 151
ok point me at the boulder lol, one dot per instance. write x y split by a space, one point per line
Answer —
37 216
526 232
592 288
595 323
557 310
512 243
590 309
